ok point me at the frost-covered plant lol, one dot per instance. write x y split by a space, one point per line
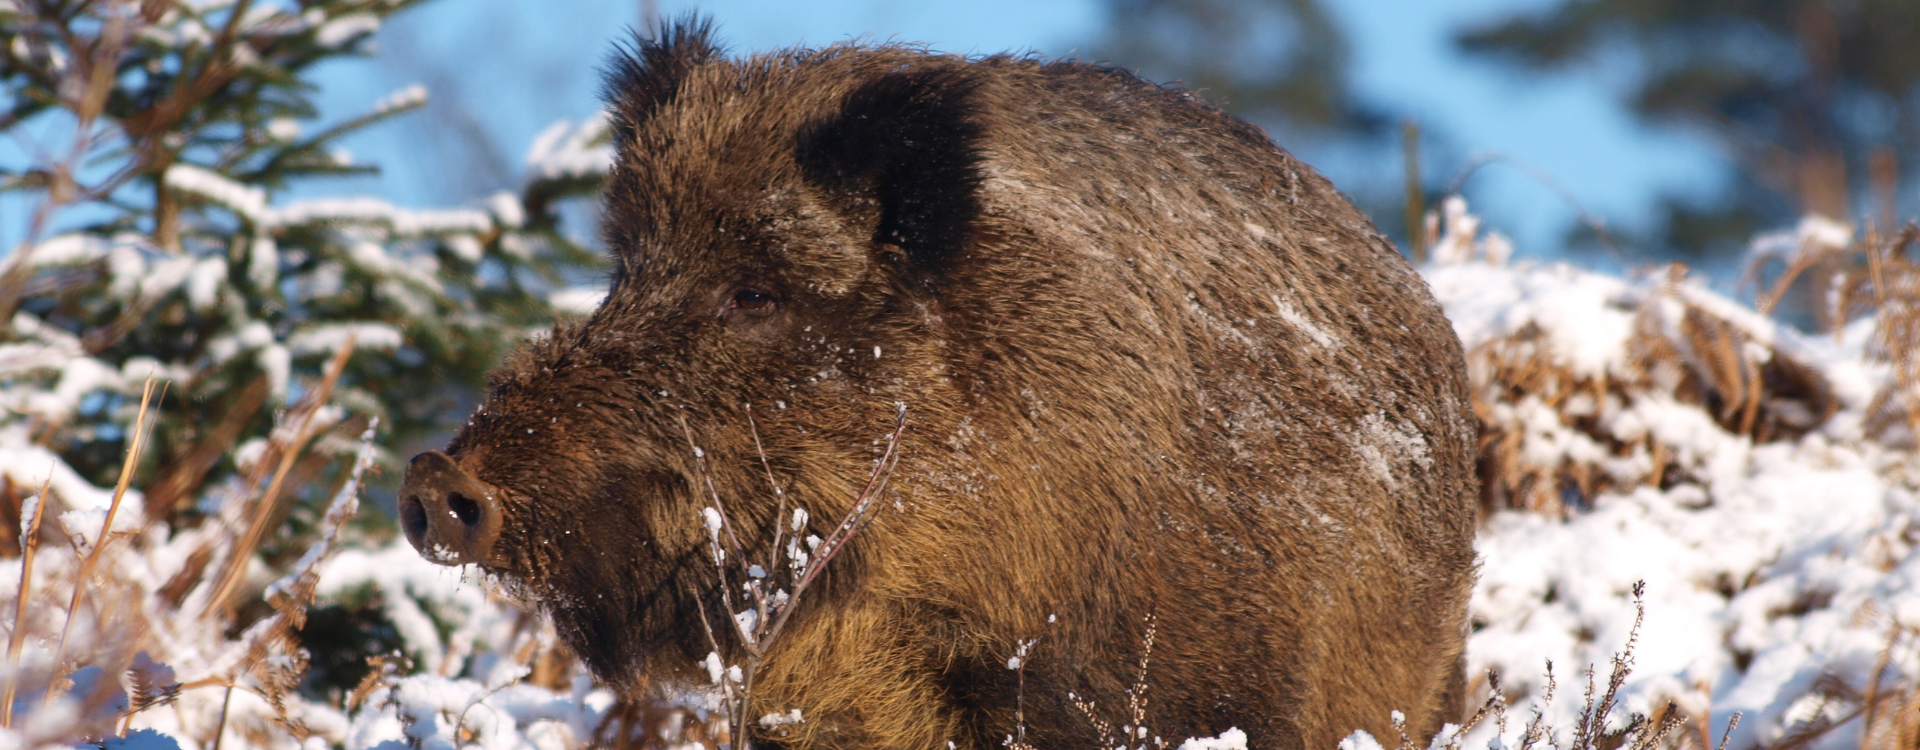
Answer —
1586 384
1759 479
771 593
1873 274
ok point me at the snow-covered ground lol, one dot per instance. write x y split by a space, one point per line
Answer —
1779 576
1781 580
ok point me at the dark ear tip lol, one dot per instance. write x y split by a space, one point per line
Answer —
646 72
909 139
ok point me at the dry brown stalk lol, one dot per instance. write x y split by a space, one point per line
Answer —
29 546
1905 360
302 416
1682 348
179 481
1416 197
1872 703
137 443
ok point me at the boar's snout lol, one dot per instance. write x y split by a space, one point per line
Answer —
450 517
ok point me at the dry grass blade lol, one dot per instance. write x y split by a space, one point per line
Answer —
274 655
1899 318
1874 681
302 418
137 444
29 545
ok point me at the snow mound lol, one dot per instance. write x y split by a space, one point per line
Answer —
1653 430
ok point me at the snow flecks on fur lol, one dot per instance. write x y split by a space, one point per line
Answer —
1293 317
1384 447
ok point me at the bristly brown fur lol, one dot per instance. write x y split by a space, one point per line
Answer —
1154 365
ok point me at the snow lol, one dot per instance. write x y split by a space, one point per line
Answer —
775 721
1306 325
507 209
1232 739
1773 570
245 200
328 338
344 29
32 466
577 300
1360 740
566 149
1814 231
251 203
1768 567
283 129
1587 317
406 97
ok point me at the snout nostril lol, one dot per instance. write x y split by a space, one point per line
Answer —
413 517
464 508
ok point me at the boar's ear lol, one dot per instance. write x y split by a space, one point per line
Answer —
642 77
908 145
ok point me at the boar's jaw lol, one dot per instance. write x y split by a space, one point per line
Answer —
592 557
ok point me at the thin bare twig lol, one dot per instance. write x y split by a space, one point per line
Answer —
1588 218
857 518
771 607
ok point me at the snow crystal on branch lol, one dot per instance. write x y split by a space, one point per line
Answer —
338 32
250 203
328 338
405 98
247 201
567 150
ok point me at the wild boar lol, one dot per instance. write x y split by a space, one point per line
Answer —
1153 365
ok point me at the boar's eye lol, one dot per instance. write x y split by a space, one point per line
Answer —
751 302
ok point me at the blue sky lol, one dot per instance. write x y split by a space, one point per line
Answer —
506 68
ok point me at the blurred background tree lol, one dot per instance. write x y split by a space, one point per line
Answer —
1282 63
1815 103
162 142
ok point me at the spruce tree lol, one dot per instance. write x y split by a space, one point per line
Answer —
161 244
1815 102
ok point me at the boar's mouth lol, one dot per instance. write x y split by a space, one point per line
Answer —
592 560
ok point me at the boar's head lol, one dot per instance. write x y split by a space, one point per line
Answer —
780 234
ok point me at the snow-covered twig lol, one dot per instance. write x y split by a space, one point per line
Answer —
769 607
